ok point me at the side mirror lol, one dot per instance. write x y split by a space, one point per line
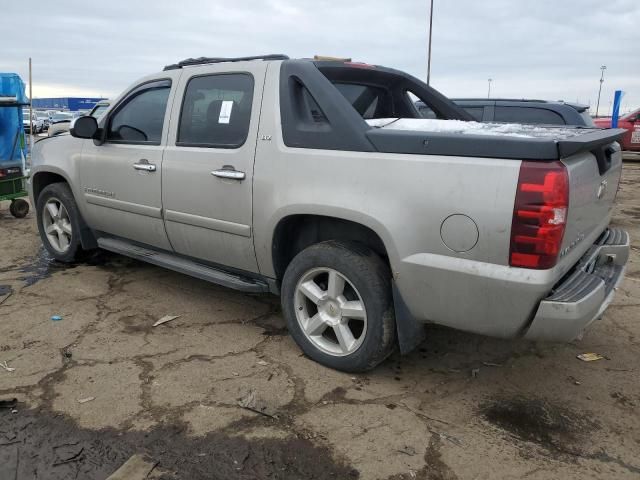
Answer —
84 127
637 119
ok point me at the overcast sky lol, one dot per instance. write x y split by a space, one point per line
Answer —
549 49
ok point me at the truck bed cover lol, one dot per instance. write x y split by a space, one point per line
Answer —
489 140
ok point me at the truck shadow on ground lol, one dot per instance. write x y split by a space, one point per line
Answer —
449 366
37 444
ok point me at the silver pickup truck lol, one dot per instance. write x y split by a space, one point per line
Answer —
320 182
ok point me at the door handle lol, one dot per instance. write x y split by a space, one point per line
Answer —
229 172
145 166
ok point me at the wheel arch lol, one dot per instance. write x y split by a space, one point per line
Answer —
295 232
43 178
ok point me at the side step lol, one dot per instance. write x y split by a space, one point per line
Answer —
183 265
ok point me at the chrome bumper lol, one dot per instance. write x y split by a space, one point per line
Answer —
583 296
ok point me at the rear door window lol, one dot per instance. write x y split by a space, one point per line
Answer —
216 111
527 115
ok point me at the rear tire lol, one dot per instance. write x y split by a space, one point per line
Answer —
59 223
336 299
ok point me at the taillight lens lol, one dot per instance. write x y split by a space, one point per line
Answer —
539 215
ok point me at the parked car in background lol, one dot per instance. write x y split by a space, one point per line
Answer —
44 116
80 113
319 181
33 123
99 108
51 113
60 123
522 111
631 123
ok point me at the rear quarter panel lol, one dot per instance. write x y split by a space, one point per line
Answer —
404 199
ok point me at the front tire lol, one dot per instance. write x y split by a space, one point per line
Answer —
59 223
336 299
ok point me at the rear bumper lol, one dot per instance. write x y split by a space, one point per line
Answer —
583 295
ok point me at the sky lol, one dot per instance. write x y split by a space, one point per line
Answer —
546 49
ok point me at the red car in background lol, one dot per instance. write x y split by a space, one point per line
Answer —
631 123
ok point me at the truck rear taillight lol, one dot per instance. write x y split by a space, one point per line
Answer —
539 215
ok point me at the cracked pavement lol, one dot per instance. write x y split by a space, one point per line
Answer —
529 410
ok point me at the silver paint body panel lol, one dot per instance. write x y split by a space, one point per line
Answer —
403 198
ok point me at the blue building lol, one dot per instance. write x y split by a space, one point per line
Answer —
72 104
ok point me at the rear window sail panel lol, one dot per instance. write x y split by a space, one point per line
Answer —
314 115
396 83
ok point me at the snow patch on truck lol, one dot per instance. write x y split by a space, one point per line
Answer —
477 128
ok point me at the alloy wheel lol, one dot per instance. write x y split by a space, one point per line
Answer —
57 225
330 311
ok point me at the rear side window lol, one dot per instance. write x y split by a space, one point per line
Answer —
309 111
476 112
527 115
369 102
425 112
216 111
141 118
588 121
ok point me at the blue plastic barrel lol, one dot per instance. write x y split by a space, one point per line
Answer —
12 140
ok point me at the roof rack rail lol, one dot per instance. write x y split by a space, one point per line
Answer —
206 60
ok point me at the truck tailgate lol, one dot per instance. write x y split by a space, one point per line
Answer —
593 180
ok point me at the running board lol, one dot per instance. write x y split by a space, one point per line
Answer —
183 265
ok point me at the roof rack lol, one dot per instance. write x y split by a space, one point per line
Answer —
206 60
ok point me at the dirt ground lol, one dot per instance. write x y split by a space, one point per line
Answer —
460 407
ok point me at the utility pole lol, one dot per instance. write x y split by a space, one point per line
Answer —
602 68
429 56
31 124
489 91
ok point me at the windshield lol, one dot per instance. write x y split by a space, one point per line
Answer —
61 116
99 110
631 115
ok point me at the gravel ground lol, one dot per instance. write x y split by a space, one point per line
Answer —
460 407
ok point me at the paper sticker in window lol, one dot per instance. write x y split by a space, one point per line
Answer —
225 111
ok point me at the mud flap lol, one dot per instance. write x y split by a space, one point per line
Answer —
87 238
410 332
